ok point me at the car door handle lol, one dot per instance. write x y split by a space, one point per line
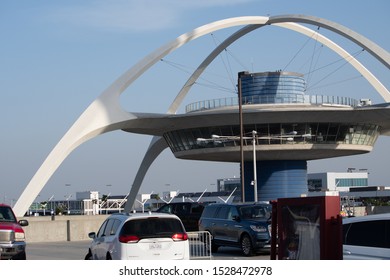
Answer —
347 252
238 226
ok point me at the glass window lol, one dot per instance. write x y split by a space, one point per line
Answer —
370 234
107 230
6 214
232 213
183 209
102 228
168 208
197 208
352 182
115 227
152 227
209 212
269 134
223 213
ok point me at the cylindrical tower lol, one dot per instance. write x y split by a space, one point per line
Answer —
272 87
275 178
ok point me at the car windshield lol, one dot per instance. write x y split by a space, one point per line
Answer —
254 212
152 227
6 215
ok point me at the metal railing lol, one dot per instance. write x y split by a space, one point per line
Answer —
200 245
272 99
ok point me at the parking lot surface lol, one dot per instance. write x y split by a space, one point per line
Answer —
76 250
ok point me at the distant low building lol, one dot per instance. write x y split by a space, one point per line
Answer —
337 181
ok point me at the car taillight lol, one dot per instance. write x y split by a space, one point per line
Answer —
128 238
180 237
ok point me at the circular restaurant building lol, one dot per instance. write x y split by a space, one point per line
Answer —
276 125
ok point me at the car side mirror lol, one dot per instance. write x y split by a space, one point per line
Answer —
236 218
92 235
23 223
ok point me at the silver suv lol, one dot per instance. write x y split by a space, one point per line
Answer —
366 237
142 236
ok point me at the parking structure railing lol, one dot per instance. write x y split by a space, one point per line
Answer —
200 245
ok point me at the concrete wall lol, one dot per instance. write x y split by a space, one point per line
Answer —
76 228
377 209
62 228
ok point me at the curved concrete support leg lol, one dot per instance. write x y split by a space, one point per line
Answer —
97 119
157 145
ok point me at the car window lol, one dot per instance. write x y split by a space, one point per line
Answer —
182 209
261 212
168 208
101 229
111 227
6 214
115 227
368 233
251 212
246 212
152 227
197 208
223 213
107 230
209 212
232 213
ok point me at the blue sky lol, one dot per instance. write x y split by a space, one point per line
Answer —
56 57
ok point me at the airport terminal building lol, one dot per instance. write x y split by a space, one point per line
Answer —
284 126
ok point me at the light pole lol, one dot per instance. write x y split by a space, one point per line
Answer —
220 138
254 133
52 210
241 122
67 199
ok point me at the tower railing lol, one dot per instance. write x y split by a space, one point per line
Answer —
272 99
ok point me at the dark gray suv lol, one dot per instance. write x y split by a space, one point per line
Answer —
247 226
188 212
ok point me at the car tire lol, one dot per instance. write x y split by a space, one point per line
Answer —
20 256
214 248
108 257
246 245
88 256
23 256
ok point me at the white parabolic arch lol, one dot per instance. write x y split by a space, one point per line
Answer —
106 114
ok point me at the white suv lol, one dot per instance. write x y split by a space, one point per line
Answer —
145 236
366 237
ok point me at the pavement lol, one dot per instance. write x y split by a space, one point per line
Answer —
76 250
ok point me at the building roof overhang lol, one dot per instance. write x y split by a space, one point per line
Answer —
158 124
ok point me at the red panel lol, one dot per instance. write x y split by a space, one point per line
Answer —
308 228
